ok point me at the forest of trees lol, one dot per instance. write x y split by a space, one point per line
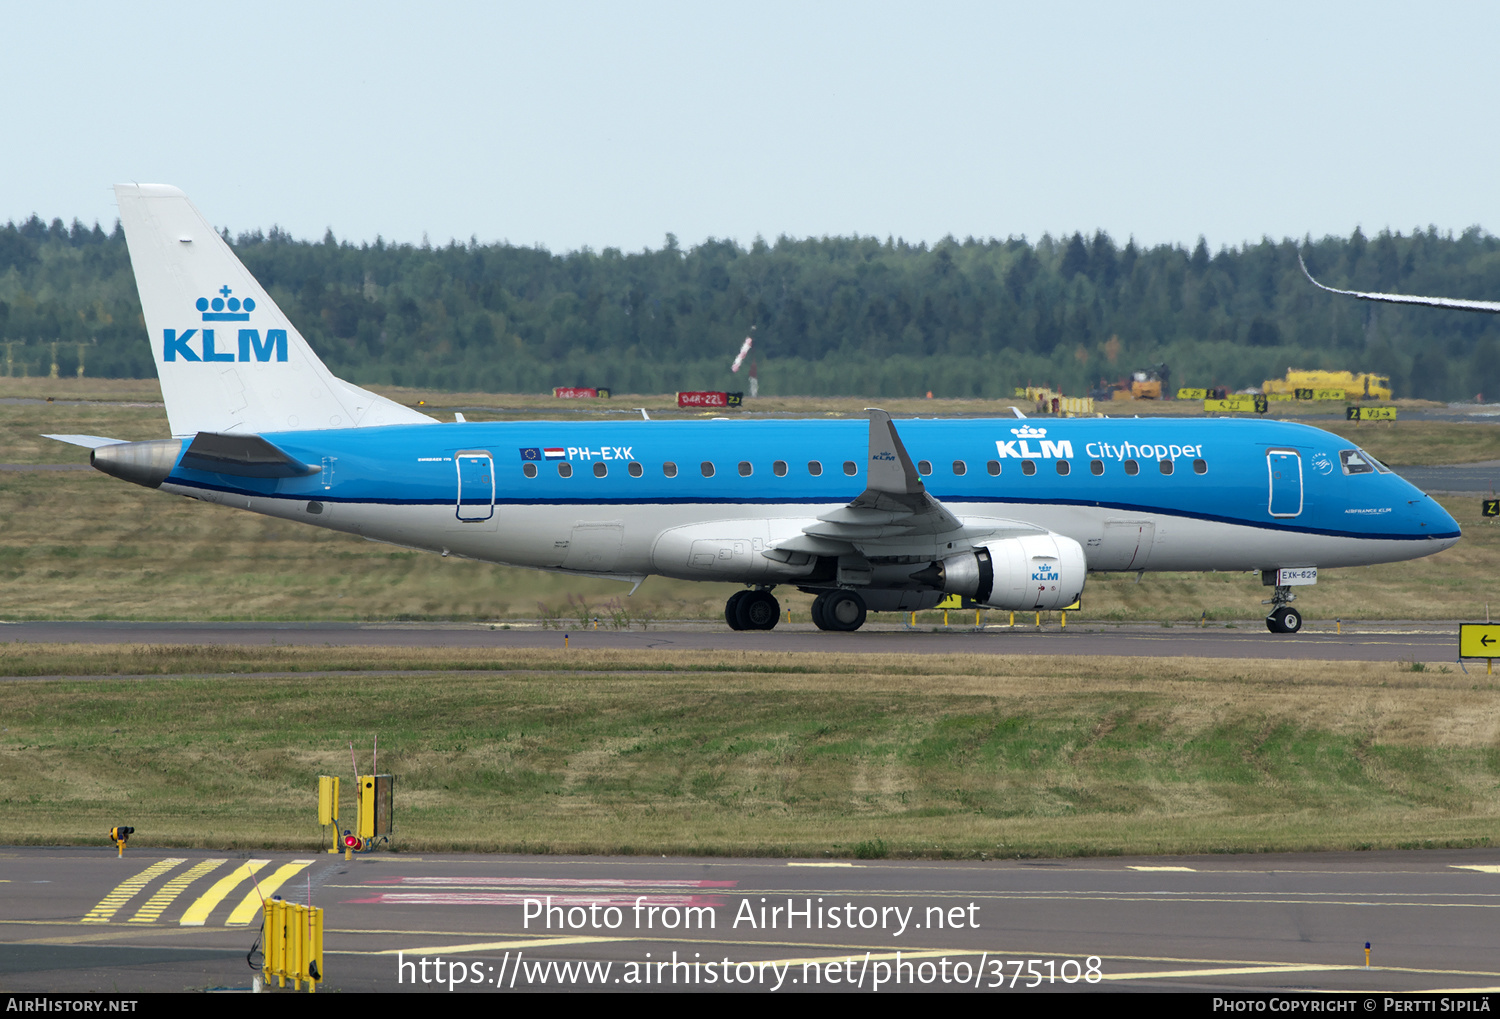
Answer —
835 315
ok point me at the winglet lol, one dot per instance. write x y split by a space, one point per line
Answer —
890 469
1454 303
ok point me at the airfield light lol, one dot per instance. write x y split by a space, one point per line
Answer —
118 834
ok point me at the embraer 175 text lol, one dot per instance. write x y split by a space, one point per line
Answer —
1010 513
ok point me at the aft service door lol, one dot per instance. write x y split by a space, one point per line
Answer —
1285 469
476 485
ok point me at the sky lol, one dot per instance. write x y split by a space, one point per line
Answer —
568 125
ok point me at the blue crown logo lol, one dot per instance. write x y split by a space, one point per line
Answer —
225 308
1028 432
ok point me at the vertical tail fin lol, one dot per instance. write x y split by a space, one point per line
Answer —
228 358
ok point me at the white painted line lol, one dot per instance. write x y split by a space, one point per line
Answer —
1182 870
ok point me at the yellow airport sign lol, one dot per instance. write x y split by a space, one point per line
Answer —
1371 414
1479 640
1192 394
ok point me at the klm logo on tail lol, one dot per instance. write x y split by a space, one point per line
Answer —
223 308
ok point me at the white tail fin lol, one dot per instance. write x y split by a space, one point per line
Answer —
228 359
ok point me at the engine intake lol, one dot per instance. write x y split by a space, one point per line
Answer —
1036 571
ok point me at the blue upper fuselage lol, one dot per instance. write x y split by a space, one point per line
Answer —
1268 474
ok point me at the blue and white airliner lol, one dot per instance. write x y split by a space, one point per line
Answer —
870 516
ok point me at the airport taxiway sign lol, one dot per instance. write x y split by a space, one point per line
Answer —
1479 640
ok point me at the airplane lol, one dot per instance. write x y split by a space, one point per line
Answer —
1010 513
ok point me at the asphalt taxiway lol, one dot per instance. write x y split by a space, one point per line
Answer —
1368 642
168 920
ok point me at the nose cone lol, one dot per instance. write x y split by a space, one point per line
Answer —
1438 524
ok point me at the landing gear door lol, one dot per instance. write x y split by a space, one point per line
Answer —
476 485
1285 469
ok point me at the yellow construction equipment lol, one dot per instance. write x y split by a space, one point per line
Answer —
1328 385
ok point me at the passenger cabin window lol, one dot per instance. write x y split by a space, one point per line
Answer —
564 470
669 469
745 469
1200 467
993 467
1096 466
707 469
814 468
601 470
1063 467
924 468
960 468
779 468
529 470
1354 461
850 468
1028 467
1166 466
1132 468
635 469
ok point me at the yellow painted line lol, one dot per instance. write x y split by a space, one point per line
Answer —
1228 971
113 935
197 913
792 864
492 946
1183 870
1483 868
250 905
882 956
158 903
127 889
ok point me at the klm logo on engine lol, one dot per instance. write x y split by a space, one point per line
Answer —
1020 446
200 344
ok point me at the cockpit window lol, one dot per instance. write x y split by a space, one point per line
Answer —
1382 468
1355 461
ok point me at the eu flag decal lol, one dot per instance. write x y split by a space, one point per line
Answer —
531 453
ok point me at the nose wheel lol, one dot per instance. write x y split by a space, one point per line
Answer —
1283 618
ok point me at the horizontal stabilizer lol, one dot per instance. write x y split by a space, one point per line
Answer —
246 456
86 441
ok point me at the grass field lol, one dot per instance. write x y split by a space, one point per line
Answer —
753 754
80 545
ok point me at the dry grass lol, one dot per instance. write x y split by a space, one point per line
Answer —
767 754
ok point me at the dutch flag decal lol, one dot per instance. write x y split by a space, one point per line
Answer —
555 453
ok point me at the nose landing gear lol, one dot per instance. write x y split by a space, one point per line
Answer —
1282 617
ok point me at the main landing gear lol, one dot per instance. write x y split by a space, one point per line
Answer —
752 610
838 610
1283 618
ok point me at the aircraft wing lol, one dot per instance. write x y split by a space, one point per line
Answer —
895 515
1455 303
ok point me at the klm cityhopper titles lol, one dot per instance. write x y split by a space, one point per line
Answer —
1012 514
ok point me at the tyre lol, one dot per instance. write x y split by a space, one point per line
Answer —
732 610
757 610
843 610
1284 620
817 612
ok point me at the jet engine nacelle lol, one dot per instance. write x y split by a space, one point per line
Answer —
1036 571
